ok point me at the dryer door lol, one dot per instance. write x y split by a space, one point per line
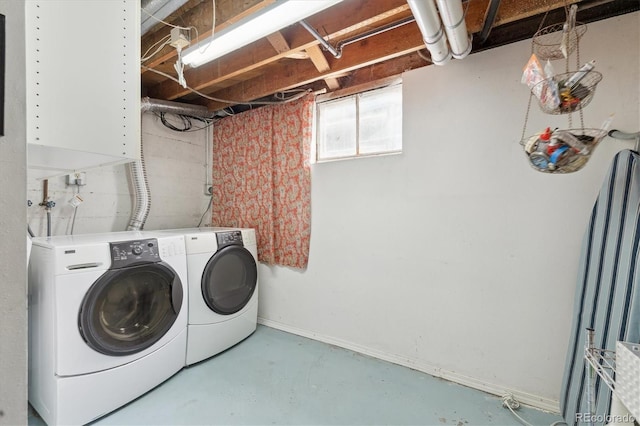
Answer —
229 280
127 310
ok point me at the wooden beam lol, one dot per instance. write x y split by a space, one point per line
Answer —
332 83
392 44
509 11
278 42
318 59
321 64
349 17
369 85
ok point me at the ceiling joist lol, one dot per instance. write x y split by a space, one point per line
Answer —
267 66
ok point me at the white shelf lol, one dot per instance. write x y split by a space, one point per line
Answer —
621 373
83 84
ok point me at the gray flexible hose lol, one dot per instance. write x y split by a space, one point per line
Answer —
48 222
141 198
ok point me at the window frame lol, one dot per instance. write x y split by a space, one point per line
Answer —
356 96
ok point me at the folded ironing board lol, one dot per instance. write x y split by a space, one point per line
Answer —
607 295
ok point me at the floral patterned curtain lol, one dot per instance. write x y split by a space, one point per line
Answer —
262 179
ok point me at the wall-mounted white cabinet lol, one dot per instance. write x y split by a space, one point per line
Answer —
83 84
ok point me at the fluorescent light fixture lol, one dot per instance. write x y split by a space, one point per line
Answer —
272 18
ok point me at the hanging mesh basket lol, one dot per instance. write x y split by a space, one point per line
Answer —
567 151
556 96
548 42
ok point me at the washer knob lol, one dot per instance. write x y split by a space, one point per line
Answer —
137 250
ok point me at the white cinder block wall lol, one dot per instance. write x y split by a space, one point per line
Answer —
176 165
456 258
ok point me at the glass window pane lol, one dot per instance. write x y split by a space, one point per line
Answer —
337 128
380 120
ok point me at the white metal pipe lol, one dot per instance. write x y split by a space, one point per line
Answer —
452 16
430 26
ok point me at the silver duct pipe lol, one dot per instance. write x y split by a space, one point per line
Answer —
137 170
141 196
157 105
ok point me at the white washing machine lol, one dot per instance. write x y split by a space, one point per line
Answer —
107 321
223 288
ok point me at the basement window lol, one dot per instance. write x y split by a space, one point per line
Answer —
360 125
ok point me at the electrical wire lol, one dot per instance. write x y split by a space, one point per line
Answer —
190 28
508 401
187 125
425 57
227 101
166 40
228 113
205 212
213 27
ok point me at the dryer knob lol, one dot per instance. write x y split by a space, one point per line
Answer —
137 250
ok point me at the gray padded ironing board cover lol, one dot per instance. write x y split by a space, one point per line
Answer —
607 297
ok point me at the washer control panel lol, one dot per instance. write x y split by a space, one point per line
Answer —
128 253
228 238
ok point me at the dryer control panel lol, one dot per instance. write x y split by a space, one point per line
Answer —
129 253
229 238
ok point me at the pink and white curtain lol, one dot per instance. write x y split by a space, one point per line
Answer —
262 179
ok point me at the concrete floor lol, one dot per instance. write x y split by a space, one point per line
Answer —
279 378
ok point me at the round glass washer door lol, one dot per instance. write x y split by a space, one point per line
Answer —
128 310
229 280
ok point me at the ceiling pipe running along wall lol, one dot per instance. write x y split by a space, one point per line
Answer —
452 16
148 104
433 29
430 26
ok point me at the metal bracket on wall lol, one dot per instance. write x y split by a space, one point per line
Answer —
617 134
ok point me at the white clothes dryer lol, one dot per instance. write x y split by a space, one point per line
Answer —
223 289
107 321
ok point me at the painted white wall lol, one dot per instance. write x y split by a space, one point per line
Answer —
455 257
13 266
176 169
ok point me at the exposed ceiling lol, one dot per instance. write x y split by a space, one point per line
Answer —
292 58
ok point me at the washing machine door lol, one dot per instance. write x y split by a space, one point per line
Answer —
127 310
229 280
